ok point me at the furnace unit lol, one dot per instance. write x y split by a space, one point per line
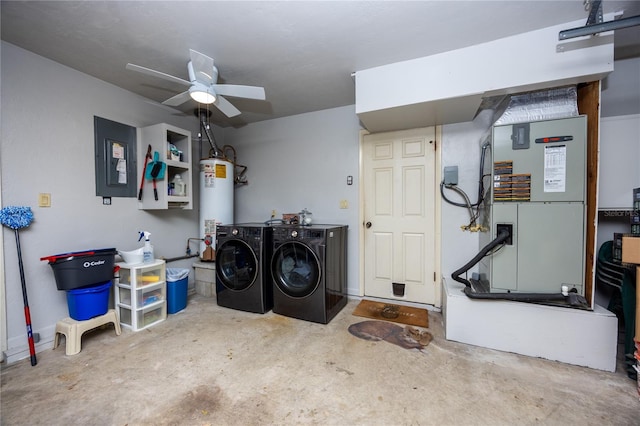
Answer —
538 195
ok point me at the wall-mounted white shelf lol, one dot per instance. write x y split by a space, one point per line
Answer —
159 136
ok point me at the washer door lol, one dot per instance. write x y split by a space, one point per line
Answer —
295 269
236 265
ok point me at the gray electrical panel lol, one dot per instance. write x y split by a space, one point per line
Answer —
115 158
538 193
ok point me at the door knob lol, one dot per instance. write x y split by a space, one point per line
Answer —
368 225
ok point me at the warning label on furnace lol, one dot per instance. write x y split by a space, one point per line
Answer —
555 168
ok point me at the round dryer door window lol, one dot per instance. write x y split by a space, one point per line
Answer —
295 269
236 265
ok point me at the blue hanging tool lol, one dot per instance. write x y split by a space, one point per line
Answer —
155 170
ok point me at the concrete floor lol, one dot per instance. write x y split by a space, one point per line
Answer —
210 365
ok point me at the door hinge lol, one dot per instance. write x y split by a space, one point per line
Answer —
434 276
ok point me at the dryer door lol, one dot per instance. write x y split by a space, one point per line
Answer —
295 269
236 265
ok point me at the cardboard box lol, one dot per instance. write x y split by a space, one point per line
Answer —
290 219
631 249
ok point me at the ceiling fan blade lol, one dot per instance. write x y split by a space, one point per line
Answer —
239 91
203 67
154 73
178 99
226 107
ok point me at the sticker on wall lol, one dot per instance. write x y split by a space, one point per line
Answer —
555 168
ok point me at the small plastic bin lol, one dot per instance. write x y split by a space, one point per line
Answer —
89 302
82 269
177 284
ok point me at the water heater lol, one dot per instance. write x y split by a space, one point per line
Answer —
538 194
216 197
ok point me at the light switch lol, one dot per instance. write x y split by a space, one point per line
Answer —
344 204
44 199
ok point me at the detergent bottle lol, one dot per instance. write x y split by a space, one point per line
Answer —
147 251
179 187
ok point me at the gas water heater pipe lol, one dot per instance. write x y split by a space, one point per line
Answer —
203 115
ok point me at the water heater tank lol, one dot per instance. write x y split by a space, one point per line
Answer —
216 197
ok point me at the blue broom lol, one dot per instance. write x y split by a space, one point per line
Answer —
17 218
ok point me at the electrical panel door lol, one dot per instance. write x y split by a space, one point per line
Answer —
115 158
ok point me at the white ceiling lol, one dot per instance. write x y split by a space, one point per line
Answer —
301 52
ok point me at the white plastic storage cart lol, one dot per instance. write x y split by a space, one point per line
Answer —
141 294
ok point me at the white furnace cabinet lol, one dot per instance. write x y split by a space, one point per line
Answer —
538 192
160 137
141 294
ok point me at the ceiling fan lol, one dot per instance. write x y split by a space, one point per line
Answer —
203 87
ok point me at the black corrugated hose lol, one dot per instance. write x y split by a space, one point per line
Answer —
572 299
500 239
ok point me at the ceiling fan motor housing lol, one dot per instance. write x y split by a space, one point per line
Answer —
202 76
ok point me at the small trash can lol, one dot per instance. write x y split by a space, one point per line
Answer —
177 283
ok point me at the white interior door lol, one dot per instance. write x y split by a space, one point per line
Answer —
399 215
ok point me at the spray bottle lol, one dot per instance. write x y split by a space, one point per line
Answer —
147 251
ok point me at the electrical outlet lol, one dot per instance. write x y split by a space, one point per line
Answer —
44 200
344 204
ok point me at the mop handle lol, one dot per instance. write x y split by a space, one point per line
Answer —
27 314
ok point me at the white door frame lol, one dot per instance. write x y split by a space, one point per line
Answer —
437 218
3 310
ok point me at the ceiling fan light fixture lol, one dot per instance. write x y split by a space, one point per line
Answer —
202 95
